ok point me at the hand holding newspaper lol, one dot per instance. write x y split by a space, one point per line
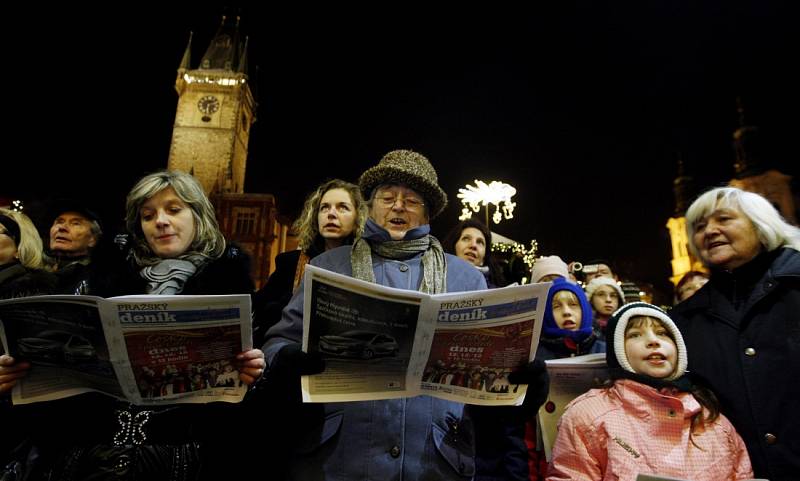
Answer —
381 343
144 349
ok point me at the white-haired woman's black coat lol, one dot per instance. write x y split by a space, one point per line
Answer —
742 333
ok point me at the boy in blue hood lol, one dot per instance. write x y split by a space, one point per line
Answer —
567 326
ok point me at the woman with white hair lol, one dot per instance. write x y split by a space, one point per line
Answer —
743 326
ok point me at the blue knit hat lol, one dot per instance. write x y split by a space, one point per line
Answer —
550 327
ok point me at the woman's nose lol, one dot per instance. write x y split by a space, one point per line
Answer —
162 218
712 228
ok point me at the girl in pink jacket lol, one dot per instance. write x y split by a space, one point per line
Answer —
652 419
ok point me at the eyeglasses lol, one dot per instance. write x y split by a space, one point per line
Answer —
411 203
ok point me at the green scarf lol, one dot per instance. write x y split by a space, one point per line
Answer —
434 265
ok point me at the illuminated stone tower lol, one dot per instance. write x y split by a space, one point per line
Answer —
682 260
215 112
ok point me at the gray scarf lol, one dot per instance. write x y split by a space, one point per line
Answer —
170 275
434 265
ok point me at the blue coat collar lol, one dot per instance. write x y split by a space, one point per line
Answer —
374 232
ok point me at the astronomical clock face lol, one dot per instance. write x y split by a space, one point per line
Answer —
208 104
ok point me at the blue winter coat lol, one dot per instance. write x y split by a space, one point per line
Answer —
409 439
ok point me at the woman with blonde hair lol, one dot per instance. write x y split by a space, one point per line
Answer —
21 258
334 214
177 249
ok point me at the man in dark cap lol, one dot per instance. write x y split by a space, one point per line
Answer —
420 438
597 268
74 234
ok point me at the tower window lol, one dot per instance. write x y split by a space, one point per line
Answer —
245 220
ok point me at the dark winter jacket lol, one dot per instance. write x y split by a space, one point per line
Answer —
561 347
17 280
106 273
270 300
742 333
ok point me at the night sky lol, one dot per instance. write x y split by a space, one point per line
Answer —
583 108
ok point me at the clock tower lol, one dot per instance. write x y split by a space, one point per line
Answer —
215 112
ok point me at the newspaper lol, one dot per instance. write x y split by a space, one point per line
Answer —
143 349
569 378
381 343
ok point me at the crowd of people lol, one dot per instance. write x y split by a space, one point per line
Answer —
703 391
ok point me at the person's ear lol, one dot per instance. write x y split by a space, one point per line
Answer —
92 241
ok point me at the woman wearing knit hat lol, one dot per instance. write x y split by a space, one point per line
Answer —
652 419
418 438
605 296
548 268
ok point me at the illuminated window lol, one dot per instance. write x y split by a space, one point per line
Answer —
245 220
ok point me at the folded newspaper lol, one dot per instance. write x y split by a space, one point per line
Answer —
381 343
143 349
569 378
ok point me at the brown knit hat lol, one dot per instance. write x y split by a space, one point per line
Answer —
409 168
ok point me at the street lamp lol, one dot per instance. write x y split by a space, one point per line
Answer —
497 193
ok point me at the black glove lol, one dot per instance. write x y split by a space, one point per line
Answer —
291 361
506 424
534 374
281 381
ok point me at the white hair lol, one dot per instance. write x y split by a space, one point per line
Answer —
772 230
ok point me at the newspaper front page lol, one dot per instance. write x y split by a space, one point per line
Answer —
569 378
144 349
382 343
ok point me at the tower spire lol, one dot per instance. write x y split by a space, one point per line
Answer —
222 52
683 188
187 54
745 144
242 68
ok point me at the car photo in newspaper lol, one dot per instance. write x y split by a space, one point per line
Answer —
381 343
63 339
366 336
